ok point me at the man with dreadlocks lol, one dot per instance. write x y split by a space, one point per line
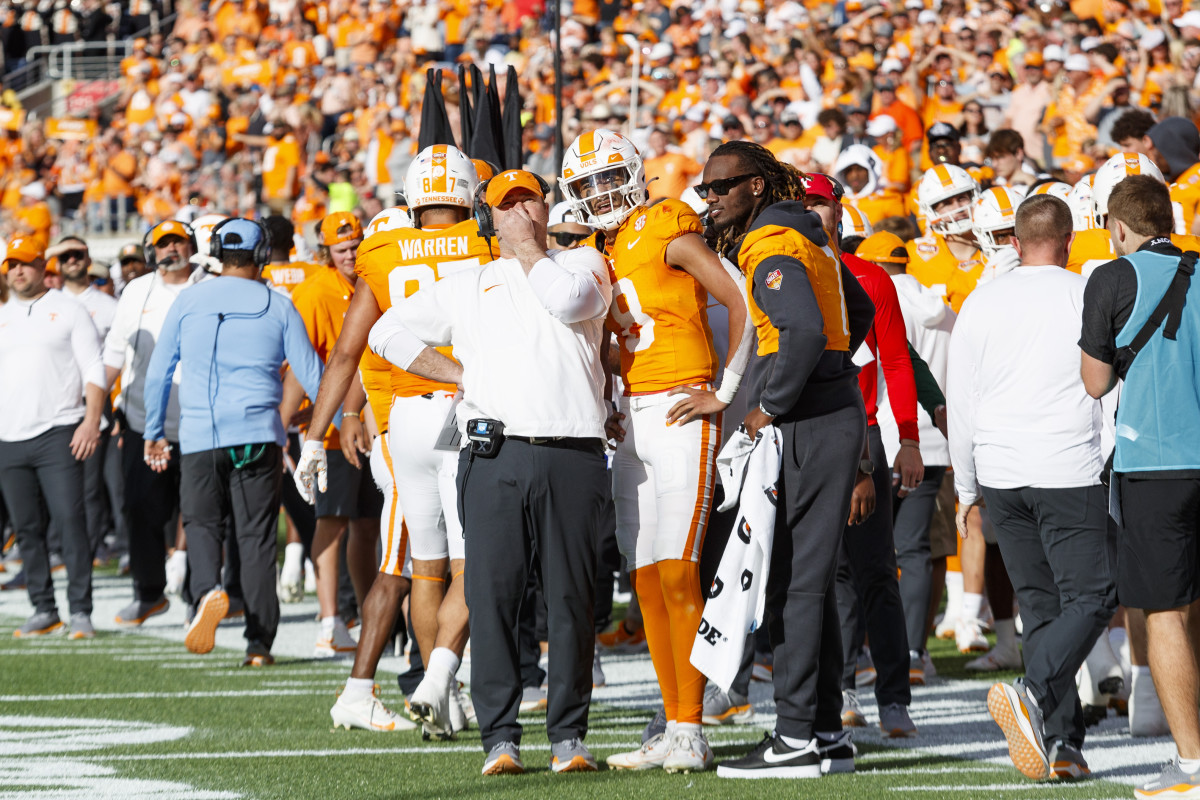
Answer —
811 315
664 467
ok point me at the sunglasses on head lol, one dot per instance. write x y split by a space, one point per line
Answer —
722 186
838 190
566 239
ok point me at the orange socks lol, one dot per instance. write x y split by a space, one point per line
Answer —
655 617
672 601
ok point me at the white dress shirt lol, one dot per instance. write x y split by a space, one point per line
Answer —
49 349
529 345
1018 413
130 342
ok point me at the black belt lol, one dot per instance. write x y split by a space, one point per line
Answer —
569 442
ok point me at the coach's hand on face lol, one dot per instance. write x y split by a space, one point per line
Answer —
514 222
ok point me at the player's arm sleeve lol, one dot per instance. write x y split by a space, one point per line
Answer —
894 359
573 286
424 320
961 397
738 362
929 394
159 372
793 309
301 356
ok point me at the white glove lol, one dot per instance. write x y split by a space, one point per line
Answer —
1003 261
312 464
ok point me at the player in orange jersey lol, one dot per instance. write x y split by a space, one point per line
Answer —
352 503
663 272
945 195
395 262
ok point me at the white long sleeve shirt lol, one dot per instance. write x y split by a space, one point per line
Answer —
101 307
130 342
529 345
927 323
49 350
1018 413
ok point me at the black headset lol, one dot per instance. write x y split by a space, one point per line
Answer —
148 247
261 252
483 212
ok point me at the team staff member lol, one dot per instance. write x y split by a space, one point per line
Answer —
1156 463
527 330
230 336
50 359
352 501
662 471
151 497
811 314
1022 427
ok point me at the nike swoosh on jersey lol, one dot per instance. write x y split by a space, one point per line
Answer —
635 241
488 289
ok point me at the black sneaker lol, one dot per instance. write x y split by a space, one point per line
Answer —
772 758
837 756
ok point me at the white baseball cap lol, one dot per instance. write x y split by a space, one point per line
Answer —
1152 39
1053 52
1077 63
881 126
1189 20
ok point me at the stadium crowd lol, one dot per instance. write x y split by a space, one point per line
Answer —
885 262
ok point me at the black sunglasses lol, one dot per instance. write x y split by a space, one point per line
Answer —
73 255
722 186
566 239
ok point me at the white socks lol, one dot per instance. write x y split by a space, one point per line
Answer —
357 687
795 744
972 606
442 665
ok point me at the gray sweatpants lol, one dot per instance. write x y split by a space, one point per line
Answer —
43 467
1060 555
820 458
543 502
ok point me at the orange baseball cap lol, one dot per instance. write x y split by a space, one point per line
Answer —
170 227
25 249
483 169
1034 60
349 226
883 248
499 186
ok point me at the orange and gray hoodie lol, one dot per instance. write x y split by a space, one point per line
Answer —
810 313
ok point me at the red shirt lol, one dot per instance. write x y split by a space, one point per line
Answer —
888 342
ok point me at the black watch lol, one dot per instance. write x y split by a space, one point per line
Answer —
866 466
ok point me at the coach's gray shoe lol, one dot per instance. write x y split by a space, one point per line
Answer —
1017 713
81 626
656 726
895 722
40 624
725 708
570 755
503 759
1172 782
139 611
1067 762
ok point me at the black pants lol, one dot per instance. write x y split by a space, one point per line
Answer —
532 502
1060 555
152 509
43 468
820 458
910 530
215 494
303 515
867 585
95 493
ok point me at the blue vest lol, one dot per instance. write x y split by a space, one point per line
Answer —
1158 418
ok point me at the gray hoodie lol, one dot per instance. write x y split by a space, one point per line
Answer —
1179 142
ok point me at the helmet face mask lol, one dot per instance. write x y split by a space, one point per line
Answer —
945 197
953 215
993 217
603 179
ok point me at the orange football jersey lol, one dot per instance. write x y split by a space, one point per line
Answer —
659 312
397 263
1185 196
288 276
931 262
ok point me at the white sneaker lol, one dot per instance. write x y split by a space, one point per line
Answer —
968 635
368 713
176 572
944 626
334 641
995 660
650 755
689 752
430 704
458 711
291 575
1146 717
1100 676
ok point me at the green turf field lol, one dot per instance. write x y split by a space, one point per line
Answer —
134 715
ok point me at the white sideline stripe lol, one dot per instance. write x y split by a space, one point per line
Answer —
990 787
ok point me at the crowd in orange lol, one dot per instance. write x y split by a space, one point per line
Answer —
304 107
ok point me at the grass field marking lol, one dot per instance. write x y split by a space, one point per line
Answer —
988 787
184 695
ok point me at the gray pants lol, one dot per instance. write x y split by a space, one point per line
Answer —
214 497
43 468
867 587
816 478
910 531
1060 556
543 502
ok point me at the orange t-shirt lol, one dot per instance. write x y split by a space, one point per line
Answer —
669 174
279 158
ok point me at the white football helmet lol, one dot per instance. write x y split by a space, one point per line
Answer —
995 210
855 223
1054 188
203 228
388 220
942 183
1080 201
440 175
1112 172
603 178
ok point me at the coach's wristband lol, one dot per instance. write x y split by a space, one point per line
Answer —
730 382
355 414
764 410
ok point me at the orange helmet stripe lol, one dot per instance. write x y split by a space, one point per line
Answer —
1002 198
1133 164
587 143
943 174
438 186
